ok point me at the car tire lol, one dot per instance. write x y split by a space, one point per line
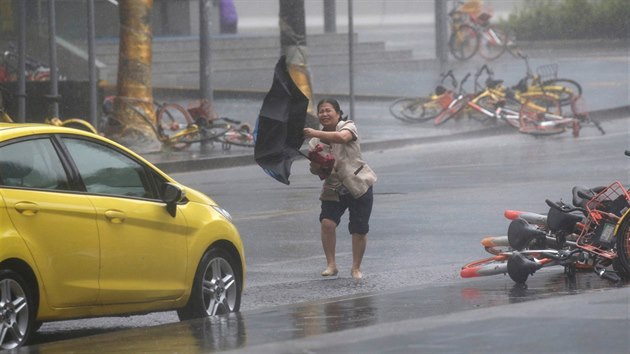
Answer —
18 308
216 288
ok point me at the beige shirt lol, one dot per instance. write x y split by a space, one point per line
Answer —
350 174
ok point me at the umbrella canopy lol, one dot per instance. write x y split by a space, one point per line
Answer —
280 125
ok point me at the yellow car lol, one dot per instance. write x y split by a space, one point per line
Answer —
89 228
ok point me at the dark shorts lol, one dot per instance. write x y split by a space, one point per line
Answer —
359 209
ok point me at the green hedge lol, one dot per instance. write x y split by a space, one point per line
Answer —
571 19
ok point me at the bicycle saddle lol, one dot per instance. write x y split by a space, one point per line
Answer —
521 86
492 83
520 266
562 221
581 194
521 234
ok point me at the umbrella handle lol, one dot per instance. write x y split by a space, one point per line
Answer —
301 153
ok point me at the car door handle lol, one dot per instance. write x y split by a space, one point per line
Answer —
27 208
115 216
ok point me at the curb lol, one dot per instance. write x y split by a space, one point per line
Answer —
217 162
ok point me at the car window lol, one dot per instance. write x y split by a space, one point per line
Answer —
32 164
108 171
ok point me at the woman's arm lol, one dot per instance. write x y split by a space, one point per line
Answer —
340 137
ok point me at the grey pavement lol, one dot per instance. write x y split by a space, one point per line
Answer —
602 67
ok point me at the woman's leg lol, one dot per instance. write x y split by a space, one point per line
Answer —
329 240
359 243
359 226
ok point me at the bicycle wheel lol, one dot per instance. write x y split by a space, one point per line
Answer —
489 104
537 116
623 245
488 266
403 108
566 90
453 109
464 42
511 112
412 109
241 136
79 124
174 126
492 42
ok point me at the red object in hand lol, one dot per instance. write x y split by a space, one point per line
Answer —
323 158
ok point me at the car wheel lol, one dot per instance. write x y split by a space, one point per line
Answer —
17 313
216 288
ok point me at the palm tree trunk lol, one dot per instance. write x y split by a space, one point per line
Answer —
133 107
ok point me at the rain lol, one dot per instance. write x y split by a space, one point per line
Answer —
144 79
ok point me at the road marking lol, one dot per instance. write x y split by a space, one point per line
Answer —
271 214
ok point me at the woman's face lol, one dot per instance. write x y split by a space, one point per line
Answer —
327 115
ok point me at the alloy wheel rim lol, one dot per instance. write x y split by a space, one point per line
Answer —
13 314
219 287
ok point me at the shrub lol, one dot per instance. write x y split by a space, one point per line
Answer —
571 19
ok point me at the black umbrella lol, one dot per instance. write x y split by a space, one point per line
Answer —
280 125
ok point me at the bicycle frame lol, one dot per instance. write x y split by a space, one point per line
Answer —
500 113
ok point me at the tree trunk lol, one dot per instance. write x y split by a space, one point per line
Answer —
133 107
293 45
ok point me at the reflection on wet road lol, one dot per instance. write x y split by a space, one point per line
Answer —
286 324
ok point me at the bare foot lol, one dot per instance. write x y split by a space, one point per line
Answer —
330 271
356 274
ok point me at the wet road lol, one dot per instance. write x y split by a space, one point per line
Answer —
433 204
484 316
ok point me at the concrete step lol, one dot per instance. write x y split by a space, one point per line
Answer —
317 59
244 53
261 78
270 61
185 44
175 61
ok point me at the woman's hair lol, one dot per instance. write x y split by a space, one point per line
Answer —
333 102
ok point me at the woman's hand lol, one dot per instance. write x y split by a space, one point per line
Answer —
309 132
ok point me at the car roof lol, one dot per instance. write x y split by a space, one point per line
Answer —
14 130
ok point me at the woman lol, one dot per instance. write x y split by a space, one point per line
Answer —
347 186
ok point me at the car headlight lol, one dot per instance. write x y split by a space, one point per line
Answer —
223 212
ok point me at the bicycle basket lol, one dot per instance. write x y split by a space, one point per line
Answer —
548 71
614 200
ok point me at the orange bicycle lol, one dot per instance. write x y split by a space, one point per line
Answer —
472 32
593 234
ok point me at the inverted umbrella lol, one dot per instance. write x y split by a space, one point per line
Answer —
279 129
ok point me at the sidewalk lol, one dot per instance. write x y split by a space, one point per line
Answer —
601 67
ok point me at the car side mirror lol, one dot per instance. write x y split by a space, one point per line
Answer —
171 195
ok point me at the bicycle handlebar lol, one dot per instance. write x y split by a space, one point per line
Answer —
486 69
449 74
478 74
